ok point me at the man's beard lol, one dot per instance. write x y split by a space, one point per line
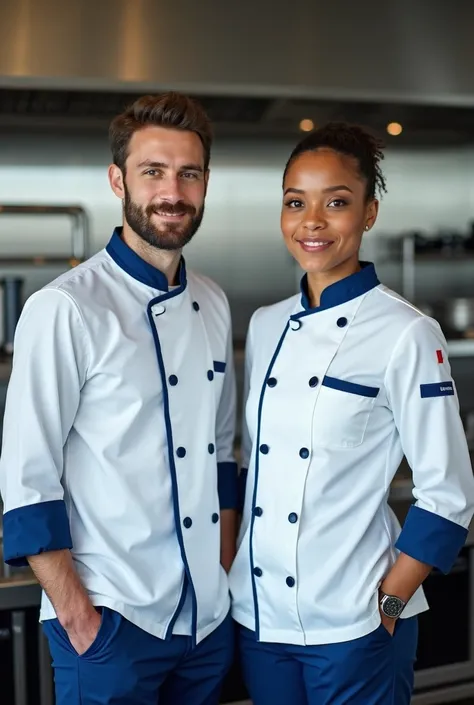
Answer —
169 236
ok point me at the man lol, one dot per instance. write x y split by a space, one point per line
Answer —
117 472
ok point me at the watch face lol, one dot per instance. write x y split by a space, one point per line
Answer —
392 606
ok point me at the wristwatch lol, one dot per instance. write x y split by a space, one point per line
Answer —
391 606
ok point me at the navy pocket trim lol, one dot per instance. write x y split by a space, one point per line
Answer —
342 386
439 389
219 366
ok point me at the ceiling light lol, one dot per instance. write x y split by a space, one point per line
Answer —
306 125
394 129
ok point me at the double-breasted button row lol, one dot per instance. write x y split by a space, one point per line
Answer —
290 581
173 380
296 323
292 517
303 452
272 382
188 522
181 452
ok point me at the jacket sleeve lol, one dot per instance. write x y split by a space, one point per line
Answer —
423 399
49 369
225 431
246 445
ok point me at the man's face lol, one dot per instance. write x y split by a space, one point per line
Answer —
164 186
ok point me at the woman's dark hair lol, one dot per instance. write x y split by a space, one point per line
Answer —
172 109
353 141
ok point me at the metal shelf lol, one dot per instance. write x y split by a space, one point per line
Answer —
461 348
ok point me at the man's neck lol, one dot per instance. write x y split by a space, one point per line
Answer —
167 261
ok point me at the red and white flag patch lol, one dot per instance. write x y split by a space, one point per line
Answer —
439 355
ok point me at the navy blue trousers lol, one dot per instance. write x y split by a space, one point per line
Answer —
376 669
127 666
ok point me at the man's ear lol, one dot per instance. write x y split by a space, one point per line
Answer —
116 181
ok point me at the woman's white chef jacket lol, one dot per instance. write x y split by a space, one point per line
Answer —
336 396
118 438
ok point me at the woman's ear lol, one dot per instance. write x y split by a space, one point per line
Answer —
371 214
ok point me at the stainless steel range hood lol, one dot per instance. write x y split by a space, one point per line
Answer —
403 50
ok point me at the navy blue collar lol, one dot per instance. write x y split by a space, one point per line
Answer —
133 264
342 291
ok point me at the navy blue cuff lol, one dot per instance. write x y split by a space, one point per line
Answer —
242 488
35 529
431 539
227 485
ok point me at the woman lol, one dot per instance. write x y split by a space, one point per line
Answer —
342 381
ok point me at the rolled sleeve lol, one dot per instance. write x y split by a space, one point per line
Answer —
227 485
423 399
242 488
31 530
431 539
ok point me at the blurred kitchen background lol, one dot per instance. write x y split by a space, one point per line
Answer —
267 71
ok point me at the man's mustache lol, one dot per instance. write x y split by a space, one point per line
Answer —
179 208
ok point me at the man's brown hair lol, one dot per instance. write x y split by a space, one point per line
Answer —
173 110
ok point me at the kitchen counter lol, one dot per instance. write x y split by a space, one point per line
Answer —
19 591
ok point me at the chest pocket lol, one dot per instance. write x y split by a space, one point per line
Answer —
217 374
342 413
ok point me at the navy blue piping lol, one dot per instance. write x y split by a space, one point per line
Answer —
352 287
128 260
257 463
182 599
342 386
169 433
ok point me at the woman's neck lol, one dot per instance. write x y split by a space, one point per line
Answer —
319 281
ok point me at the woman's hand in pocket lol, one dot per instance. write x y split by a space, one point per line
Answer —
388 623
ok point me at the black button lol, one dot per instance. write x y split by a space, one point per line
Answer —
210 375
304 453
258 572
215 518
313 382
195 306
264 449
258 511
271 381
293 518
295 325
181 452
342 322
211 448
290 581
173 380
187 522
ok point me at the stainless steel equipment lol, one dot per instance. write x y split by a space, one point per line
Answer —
42 42
12 305
455 315
79 232
12 286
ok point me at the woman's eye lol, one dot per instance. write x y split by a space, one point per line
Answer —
294 203
338 203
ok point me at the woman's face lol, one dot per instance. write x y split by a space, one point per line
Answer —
325 212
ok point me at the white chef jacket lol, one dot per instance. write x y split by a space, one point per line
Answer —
118 439
336 395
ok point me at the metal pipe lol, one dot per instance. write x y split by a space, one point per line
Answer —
19 657
408 268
